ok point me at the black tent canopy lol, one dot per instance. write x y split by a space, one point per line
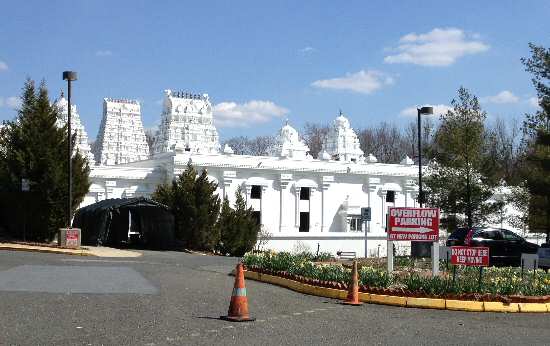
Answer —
112 222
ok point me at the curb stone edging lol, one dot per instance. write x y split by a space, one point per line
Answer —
61 251
412 302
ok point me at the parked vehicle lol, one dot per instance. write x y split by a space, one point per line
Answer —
505 247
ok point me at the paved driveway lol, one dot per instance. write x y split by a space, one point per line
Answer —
170 298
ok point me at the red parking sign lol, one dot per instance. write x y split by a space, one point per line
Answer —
470 256
72 237
413 224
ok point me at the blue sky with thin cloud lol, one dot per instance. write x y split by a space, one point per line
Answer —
264 62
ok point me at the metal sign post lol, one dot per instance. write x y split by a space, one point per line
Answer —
435 258
365 219
25 187
389 248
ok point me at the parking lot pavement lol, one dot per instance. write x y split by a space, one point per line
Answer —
171 298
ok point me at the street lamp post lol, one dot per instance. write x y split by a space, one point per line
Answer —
421 249
69 76
423 110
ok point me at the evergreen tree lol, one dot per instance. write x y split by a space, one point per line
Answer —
34 148
238 228
537 137
195 206
205 235
226 228
461 180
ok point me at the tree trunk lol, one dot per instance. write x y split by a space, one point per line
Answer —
468 200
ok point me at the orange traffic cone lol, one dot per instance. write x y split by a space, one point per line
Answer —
353 293
238 307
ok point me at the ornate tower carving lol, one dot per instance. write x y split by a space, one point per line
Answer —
342 142
121 138
81 144
186 124
289 144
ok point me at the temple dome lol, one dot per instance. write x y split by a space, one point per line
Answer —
289 144
342 143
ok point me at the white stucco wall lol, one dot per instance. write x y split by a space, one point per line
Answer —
337 189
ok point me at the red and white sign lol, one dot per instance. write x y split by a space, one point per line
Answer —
72 237
413 224
470 256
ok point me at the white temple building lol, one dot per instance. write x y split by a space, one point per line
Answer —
304 203
81 144
186 121
121 138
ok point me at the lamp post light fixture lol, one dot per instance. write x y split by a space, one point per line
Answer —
426 111
421 249
69 76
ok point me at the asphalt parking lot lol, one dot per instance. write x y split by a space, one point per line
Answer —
172 298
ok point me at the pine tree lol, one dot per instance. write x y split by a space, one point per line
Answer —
239 228
537 139
34 148
195 206
461 180
205 234
226 228
184 204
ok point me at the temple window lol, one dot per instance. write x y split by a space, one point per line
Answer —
305 192
355 223
257 217
390 197
304 221
256 192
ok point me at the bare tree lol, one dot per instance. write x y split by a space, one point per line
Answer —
314 135
257 146
410 138
262 145
504 144
385 141
150 139
238 144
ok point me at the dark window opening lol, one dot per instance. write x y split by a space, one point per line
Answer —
257 216
390 197
304 193
256 192
304 221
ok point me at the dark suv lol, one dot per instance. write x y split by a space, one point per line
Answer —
505 247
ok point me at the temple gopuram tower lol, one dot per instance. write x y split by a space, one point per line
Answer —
342 143
186 124
121 138
81 143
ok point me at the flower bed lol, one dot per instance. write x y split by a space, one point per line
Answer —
498 284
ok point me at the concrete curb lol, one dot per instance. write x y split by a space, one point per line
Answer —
412 302
44 249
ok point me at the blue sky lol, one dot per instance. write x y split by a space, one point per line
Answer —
264 62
